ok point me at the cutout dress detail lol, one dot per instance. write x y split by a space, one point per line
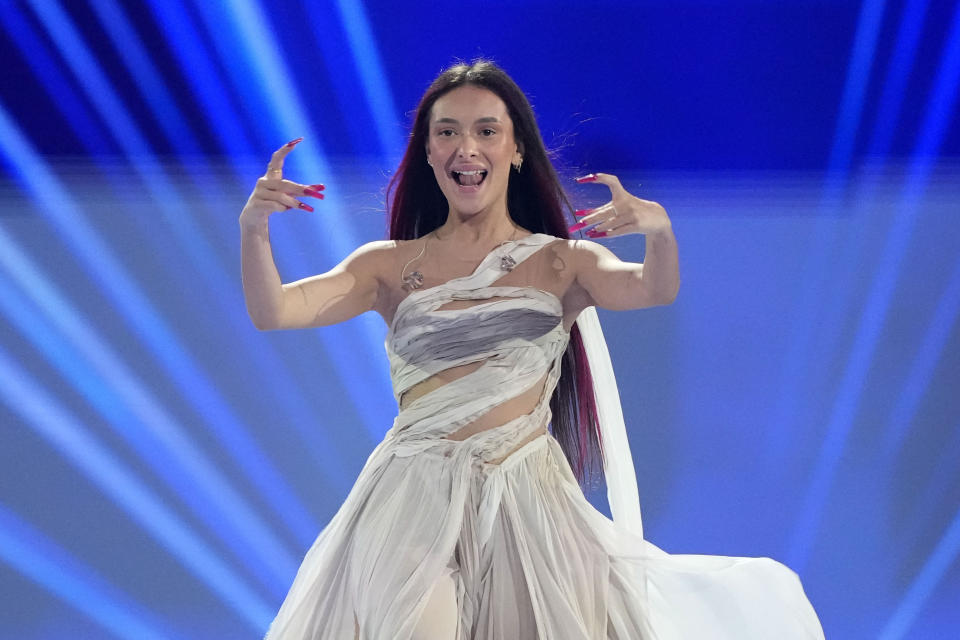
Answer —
489 536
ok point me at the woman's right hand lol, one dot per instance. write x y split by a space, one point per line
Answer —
273 193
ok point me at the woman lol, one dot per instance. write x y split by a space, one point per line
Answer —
467 520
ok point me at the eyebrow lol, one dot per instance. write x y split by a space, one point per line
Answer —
477 121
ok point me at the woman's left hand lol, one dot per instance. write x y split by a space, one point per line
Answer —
624 214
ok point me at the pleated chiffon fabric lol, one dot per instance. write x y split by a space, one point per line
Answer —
490 537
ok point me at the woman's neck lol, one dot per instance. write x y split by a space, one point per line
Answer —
480 229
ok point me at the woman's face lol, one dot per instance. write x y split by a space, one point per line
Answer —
471 147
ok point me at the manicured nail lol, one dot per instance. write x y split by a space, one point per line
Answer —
312 193
590 177
582 212
596 234
578 226
317 187
305 206
294 141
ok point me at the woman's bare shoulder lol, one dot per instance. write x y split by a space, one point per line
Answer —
370 255
573 251
390 249
580 250
382 257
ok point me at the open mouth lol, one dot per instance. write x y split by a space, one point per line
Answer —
471 178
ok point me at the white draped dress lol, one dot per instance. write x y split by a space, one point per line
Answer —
494 527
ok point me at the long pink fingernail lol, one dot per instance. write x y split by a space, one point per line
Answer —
590 177
312 192
578 226
596 234
305 206
318 187
294 141
582 212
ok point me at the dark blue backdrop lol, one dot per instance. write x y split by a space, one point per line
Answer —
164 466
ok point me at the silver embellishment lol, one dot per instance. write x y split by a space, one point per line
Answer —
413 280
507 263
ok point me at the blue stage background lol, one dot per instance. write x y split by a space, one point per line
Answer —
164 466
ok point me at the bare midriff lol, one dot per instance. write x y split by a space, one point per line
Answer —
520 405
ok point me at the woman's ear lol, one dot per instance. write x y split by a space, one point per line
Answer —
518 156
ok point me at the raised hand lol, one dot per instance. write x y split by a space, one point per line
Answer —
272 193
624 214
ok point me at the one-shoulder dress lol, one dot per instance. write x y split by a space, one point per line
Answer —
497 518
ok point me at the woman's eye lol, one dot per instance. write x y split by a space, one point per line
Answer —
487 132
445 132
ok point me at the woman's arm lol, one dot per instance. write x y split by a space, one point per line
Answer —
611 283
345 291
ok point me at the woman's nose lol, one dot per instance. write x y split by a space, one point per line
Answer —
468 146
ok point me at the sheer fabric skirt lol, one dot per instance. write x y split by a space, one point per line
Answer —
434 543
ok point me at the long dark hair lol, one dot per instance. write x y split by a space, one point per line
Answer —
536 201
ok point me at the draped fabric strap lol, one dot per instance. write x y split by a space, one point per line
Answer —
622 493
